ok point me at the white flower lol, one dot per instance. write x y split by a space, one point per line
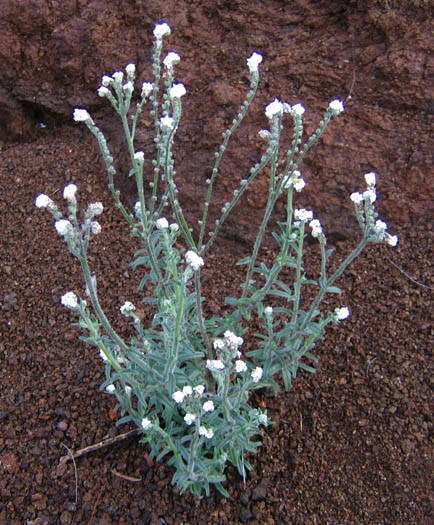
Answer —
274 108
336 106
199 389
106 80
232 340
256 374
206 432
392 240
174 227
189 418
268 310
81 115
95 227
161 30
357 198
171 60
166 122
299 184
370 195
139 156
208 406
146 423
69 192
193 260
342 313
102 355
103 91
147 89
130 69
162 224
177 91
263 419
264 133
63 226
94 209
298 109
370 178
127 307
253 62
178 396
380 226
214 364
240 366
110 388
218 344
128 390
187 390
294 179
303 215
69 300
128 87
316 228
118 77
42 201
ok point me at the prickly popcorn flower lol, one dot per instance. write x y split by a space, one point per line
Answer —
127 307
178 396
303 215
162 224
298 109
166 121
199 389
43 201
193 260
342 313
208 406
240 366
171 60
95 227
316 228
177 91
146 423
118 77
206 432
336 106
69 300
370 178
232 340
147 88
257 374
161 30
94 209
187 390
274 108
103 91
81 115
63 226
131 70
370 195
189 418
214 364
253 62
392 240
69 192
357 198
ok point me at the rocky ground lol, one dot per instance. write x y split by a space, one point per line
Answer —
351 444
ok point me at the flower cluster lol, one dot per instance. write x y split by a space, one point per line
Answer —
368 197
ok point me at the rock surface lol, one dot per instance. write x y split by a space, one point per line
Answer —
375 55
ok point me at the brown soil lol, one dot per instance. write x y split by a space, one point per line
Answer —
351 444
